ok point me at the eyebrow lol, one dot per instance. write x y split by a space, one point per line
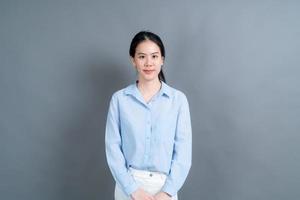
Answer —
145 53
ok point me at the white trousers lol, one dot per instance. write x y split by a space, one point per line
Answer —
151 182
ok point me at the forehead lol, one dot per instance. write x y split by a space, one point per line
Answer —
147 46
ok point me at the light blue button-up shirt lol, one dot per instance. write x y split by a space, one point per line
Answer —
153 136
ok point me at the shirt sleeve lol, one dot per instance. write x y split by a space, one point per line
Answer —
113 146
182 152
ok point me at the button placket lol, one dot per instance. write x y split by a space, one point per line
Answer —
148 136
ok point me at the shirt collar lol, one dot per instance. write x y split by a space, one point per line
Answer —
133 90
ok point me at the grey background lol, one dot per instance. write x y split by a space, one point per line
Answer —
237 61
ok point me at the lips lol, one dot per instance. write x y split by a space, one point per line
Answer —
148 71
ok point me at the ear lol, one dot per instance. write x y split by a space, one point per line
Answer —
163 59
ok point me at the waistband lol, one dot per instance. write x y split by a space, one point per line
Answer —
145 173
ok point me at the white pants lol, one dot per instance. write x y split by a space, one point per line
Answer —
151 182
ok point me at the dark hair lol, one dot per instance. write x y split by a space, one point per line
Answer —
147 35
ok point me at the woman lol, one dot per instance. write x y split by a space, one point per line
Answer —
148 129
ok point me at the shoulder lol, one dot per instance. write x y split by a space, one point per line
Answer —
176 94
180 99
119 94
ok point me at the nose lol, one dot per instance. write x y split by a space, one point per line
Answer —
148 62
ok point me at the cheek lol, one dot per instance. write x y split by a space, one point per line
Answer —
138 63
159 66
160 62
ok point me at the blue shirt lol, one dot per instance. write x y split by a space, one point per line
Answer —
153 136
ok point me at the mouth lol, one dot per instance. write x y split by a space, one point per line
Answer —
148 71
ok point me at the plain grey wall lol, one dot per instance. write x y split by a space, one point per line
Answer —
237 61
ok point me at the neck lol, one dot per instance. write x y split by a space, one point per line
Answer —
149 87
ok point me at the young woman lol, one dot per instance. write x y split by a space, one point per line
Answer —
148 135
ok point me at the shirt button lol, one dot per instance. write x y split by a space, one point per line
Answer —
150 175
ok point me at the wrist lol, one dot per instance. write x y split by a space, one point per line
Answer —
167 194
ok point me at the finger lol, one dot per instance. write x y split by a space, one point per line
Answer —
148 196
152 197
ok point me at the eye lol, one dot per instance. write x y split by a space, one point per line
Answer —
154 56
141 57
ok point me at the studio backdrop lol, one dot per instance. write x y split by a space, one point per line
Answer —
237 62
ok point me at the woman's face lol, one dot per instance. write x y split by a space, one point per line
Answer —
147 60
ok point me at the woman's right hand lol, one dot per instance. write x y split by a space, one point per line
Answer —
140 194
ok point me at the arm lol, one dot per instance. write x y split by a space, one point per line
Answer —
113 147
182 153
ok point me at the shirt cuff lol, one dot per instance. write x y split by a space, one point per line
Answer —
169 189
130 189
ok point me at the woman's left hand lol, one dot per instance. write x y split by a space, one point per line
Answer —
162 196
